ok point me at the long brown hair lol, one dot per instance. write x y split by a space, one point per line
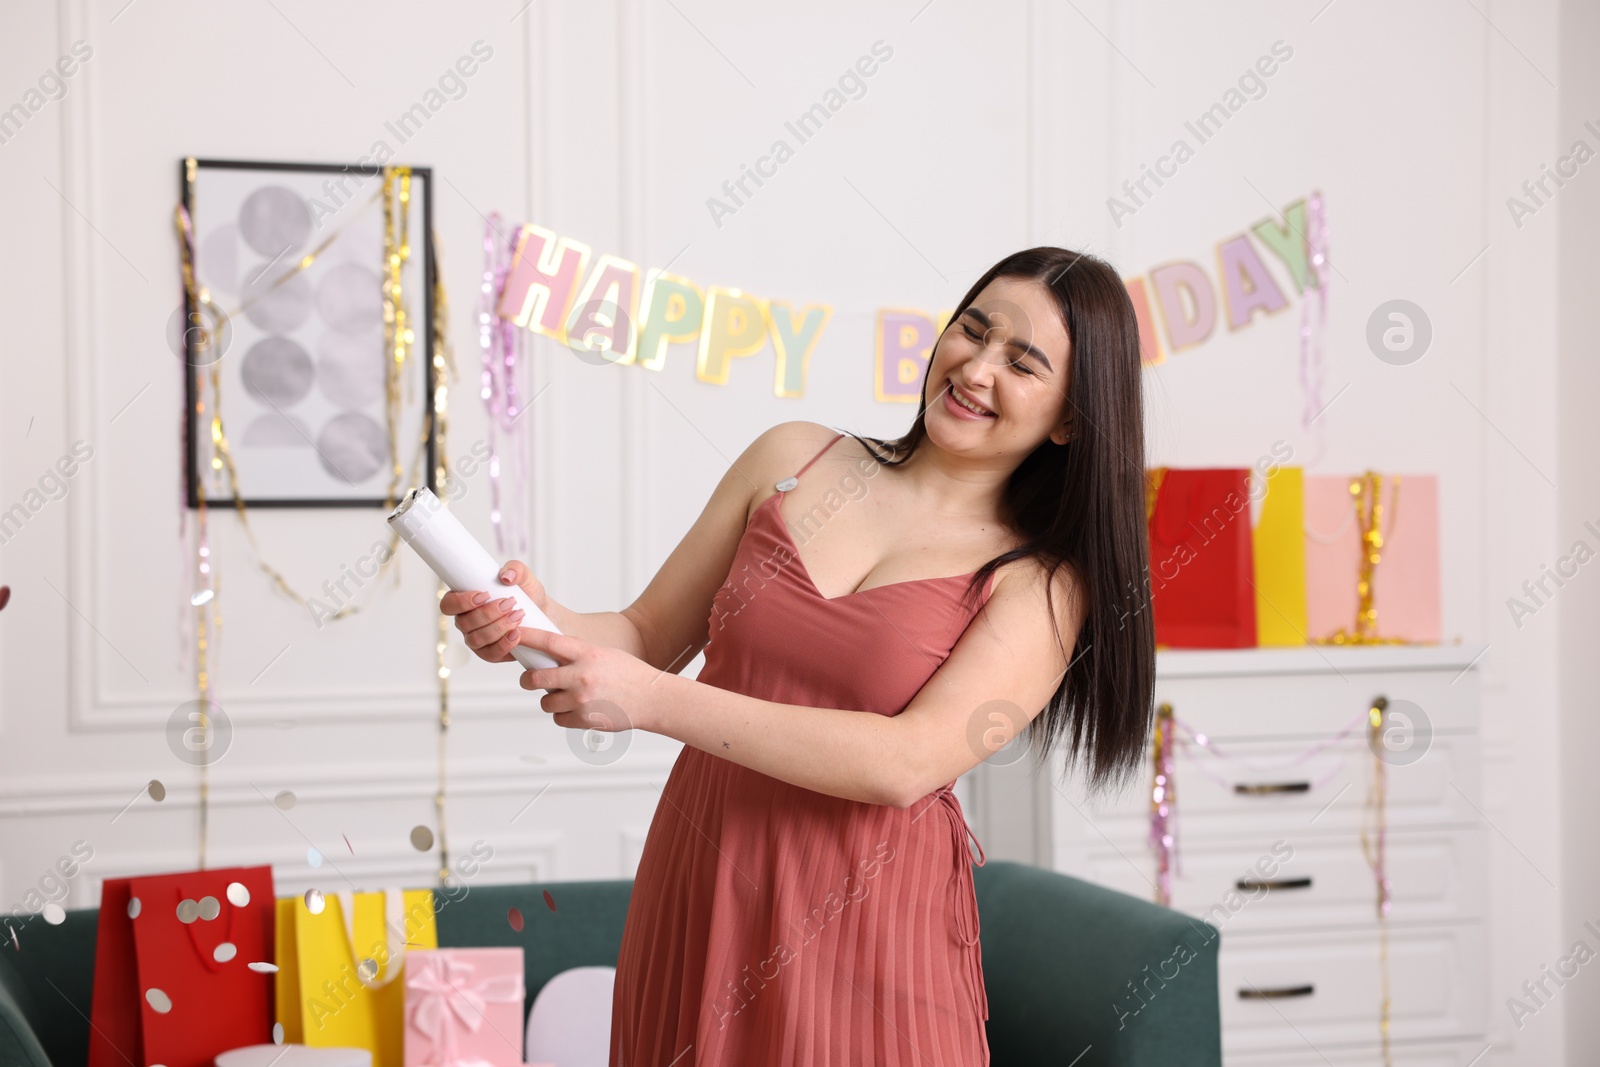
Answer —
1081 505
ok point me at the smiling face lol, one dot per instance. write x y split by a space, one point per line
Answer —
1007 355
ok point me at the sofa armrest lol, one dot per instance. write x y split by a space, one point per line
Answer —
46 982
18 1043
1074 969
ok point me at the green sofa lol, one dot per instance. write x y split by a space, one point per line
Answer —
1076 973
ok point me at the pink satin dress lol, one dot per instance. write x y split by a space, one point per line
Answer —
775 926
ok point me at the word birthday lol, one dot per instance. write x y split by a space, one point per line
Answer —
606 305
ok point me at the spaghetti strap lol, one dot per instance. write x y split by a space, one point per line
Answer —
816 457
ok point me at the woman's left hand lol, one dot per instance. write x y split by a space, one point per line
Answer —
594 687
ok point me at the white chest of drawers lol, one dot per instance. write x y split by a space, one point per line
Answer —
1269 825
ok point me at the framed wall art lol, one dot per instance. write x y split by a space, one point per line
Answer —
293 343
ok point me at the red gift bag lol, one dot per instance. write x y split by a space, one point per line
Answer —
172 982
1201 558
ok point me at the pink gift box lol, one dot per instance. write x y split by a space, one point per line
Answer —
463 1007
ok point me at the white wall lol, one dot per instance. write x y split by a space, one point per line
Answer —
991 129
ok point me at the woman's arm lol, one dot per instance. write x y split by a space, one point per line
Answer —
1001 673
668 624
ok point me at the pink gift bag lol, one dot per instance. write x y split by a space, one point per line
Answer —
1405 583
463 1007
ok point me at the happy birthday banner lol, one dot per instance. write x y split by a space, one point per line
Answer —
551 290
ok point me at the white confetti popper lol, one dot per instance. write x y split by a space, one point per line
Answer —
424 523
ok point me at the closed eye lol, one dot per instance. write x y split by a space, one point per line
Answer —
1016 364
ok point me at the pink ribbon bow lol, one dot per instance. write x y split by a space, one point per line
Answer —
442 998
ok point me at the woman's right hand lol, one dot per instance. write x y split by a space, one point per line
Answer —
491 625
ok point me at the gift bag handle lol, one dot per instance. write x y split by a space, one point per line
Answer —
393 925
208 961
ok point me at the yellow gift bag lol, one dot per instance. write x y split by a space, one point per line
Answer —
338 969
1280 560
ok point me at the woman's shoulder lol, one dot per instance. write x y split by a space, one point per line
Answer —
788 446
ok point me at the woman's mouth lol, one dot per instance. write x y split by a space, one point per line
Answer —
963 406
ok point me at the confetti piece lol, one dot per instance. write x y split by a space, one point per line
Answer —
238 894
314 901
224 952
313 857
5 596
421 838
158 1000
202 597
157 791
188 911
210 908
284 800
348 845
549 901
133 907
514 916
277 1028
263 968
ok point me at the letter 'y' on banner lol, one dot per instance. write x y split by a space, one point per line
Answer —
794 342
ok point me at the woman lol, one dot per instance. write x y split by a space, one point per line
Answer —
984 573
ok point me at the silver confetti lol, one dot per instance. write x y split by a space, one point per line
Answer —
157 791
158 1000
133 907
277 1030
188 911
224 952
263 968
210 908
53 914
421 838
314 901
284 800
367 970
238 895
313 857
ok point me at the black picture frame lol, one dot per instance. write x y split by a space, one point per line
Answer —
423 344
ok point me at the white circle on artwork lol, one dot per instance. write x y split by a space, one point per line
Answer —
277 371
350 298
351 367
217 260
274 220
274 307
353 447
273 430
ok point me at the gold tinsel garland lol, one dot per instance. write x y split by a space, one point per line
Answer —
398 337
1366 493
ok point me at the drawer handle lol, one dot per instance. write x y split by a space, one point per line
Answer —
1264 788
1273 994
1248 884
